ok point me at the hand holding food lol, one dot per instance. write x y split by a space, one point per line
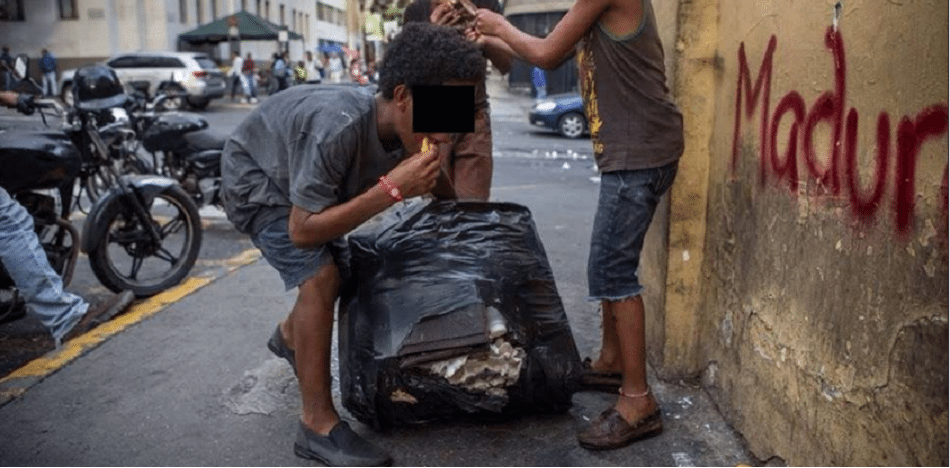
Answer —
417 174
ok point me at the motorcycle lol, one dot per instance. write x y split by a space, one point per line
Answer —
141 234
182 148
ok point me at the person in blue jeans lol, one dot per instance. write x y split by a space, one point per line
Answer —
64 314
540 83
48 67
637 136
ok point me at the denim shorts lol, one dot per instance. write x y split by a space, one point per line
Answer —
294 264
627 202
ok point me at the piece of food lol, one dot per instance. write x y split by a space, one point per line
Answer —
425 145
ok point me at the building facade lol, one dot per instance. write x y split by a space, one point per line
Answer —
83 31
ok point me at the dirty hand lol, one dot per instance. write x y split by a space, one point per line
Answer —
476 37
416 175
442 14
488 22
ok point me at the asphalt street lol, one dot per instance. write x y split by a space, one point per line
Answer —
185 378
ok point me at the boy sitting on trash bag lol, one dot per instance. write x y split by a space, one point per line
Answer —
309 165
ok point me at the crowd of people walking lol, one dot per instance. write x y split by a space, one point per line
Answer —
248 78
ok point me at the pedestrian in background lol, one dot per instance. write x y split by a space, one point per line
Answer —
540 83
48 68
300 72
297 178
336 68
637 133
279 73
236 76
6 69
468 161
248 69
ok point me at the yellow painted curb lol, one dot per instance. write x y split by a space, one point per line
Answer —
54 360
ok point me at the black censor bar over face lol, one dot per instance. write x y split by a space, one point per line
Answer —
443 108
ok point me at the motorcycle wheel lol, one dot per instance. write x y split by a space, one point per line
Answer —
128 259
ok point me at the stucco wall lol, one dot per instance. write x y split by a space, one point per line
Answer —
824 307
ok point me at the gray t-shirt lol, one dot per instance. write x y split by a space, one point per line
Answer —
309 146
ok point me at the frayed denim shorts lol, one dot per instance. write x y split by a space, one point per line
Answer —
627 202
295 265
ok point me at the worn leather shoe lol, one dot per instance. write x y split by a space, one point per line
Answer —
101 314
611 431
341 447
277 346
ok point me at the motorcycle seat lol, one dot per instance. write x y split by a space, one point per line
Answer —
206 140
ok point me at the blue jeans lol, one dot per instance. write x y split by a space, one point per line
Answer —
49 84
26 262
627 202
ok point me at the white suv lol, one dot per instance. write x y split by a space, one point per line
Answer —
192 72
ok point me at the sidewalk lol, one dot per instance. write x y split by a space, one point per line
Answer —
195 385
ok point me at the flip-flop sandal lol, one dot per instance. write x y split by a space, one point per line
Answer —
277 346
599 381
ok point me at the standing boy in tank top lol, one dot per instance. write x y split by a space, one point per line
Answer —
637 133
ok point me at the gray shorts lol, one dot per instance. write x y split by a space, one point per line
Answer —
294 264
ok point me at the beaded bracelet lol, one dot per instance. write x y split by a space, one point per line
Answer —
390 188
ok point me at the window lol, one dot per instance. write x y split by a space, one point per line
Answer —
281 9
199 14
258 10
243 5
130 61
11 10
267 10
183 11
68 10
214 10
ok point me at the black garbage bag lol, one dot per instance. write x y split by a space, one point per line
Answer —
452 310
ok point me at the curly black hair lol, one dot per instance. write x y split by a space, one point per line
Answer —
427 54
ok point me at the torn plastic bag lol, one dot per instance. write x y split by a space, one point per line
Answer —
452 310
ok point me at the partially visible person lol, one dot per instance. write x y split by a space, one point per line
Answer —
279 73
236 76
248 69
297 178
312 67
63 313
540 83
300 72
637 135
356 72
335 64
468 161
6 69
48 68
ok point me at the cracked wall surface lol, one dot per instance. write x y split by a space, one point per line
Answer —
823 325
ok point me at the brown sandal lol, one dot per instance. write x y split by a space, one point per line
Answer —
598 381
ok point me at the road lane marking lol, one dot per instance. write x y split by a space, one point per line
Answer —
17 382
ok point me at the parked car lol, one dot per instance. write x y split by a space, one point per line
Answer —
561 112
192 73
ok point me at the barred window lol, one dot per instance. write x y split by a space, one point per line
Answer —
11 10
68 9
